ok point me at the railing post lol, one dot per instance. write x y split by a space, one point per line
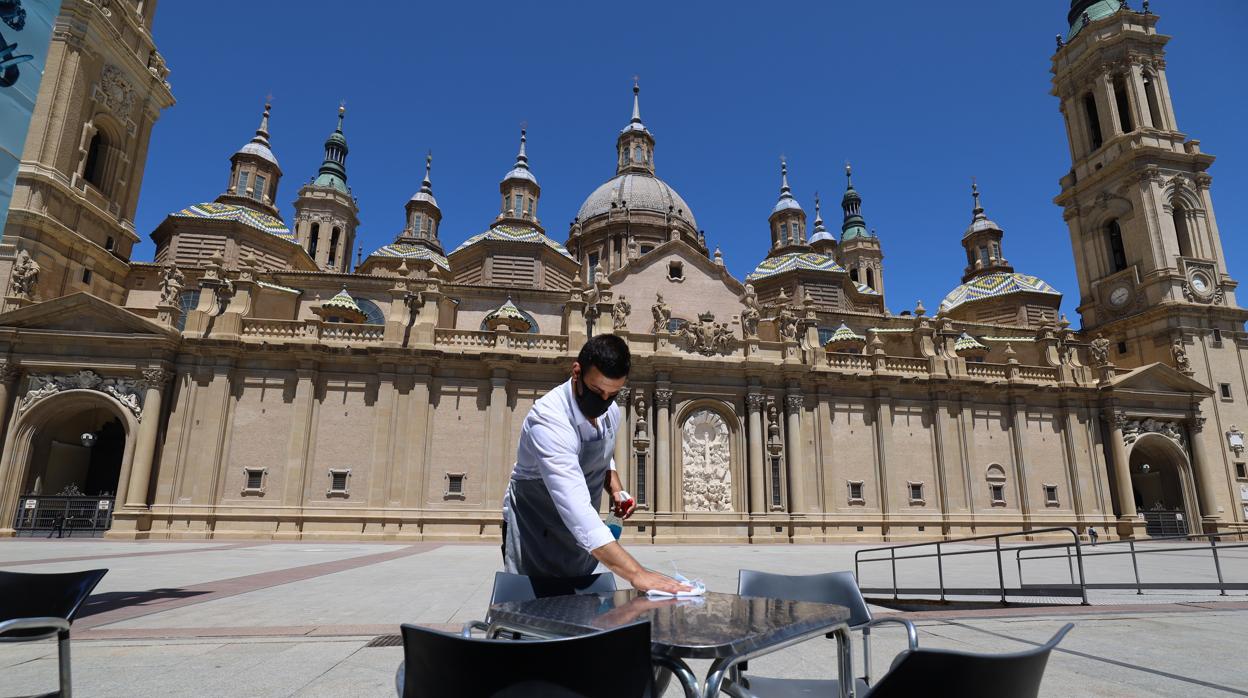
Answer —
1213 547
1018 558
892 554
1070 566
1083 581
1135 565
1000 572
940 571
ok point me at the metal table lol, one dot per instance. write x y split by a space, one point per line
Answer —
724 627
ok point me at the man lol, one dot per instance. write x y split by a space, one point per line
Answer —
551 526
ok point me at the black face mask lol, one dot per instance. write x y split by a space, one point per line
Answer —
591 404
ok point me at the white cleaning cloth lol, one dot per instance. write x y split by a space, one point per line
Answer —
699 589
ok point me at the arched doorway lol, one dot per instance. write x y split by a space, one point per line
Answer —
71 453
1162 484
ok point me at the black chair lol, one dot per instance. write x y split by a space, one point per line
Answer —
610 664
929 672
518 587
833 587
41 606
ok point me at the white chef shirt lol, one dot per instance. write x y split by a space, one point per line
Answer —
551 440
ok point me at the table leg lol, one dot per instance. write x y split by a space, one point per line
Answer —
845 662
688 681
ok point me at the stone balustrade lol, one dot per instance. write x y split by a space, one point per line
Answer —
471 339
352 332
274 329
537 342
987 371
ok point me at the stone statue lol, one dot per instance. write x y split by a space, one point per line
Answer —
788 323
1099 351
707 337
171 281
25 276
662 314
620 312
1181 361
751 314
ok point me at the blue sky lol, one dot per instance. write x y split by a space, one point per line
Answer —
920 95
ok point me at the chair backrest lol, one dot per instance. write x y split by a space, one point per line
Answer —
610 664
832 587
31 595
966 675
518 587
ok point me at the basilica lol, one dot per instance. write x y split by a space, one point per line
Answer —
253 380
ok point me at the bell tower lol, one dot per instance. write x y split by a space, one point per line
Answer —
1153 279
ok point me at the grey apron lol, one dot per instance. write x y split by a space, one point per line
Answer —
536 542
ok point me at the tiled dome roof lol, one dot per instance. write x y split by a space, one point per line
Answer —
511 233
405 251
794 260
233 212
994 286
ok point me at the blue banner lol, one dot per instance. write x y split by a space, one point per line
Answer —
25 32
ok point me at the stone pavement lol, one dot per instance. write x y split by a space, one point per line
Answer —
212 618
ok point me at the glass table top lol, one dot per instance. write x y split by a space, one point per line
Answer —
715 625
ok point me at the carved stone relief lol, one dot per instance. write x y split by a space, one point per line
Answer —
707 463
127 391
1134 428
115 92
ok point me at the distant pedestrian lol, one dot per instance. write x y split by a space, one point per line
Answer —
1092 535
58 526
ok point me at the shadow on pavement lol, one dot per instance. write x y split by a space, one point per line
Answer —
112 600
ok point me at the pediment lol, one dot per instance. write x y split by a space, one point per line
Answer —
1158 378
678 249
82 313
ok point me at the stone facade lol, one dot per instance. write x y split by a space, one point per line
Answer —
264 389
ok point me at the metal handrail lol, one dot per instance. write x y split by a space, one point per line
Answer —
1213 537
940 555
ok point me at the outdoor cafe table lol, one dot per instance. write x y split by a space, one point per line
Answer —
724 627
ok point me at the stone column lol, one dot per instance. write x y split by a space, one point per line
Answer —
623 435
1122 472
1205 471
9 371
154 380
663 450
793 432
758 468
498 459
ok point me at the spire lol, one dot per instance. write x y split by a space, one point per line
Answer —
333 171
262 133
821 233
259 143
786 200
522 160
521 169
784 178
853 225
818 213
978 213
636 101
426 185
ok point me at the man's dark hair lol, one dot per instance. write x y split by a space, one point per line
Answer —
609 353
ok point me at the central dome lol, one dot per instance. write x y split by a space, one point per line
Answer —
642 192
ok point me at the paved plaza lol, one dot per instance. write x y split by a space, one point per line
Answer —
217 618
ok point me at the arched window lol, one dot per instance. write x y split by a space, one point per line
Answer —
1124 104
97 158
186 303
313 238
853 274
1181 230
637 154
258 189
1094 121
996 250
996 485
333 245
416 219
1117 253
871 278
983 255
1154 105
372 312
240 188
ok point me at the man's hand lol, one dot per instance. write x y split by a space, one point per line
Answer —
645 580
614 487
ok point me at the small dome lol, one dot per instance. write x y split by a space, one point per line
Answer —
509 316
845 338
966 345
641 192
980 223
521 173
786 203
341 308
424 196
822 235
260 150
994 286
